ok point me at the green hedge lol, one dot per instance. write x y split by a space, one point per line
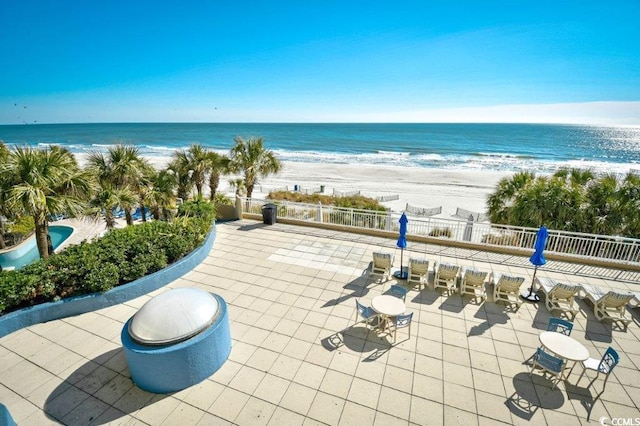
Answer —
121 256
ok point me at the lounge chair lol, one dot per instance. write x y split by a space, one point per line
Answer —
418 272
446 276
473 283
507 289
610 304
559 296
382 263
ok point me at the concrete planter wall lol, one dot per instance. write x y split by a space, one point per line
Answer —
78 305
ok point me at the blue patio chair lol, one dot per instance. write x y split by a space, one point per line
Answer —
605 366
401 321
560 325
370 316
549 364
398 291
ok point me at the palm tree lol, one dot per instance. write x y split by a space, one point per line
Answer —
44 182
106 200
253 160
161 197
180 167
121 168
197 158
4 190
629 197
217 165
502 199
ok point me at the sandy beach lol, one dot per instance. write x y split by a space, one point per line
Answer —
419 187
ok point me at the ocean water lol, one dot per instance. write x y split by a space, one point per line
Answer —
501 147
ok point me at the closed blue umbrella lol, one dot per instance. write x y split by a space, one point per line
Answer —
537 259
402 244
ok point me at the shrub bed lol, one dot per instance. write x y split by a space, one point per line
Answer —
121 256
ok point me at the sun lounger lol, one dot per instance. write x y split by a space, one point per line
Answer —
608 304
446 276
473 283
559 296
507 289
418 272
381 265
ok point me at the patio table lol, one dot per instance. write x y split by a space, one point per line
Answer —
388 306
565 347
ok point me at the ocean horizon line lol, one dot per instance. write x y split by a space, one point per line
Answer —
519 123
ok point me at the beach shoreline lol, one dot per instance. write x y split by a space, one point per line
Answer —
417 186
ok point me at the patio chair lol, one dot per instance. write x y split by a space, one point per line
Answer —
398 291
382 263
401 321
559 296
605 366
610 304
418 272
473 283
549 364
507 289
367 313
446 276
560 325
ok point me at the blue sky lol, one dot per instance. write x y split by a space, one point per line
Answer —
320 61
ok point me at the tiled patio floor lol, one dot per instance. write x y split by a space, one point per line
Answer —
298 358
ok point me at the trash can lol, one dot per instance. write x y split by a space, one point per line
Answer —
269 214
322 189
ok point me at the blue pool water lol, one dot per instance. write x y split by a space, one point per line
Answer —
27 252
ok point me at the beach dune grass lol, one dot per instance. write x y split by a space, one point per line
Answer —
355 202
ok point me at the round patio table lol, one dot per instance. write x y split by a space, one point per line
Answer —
564 346
387 306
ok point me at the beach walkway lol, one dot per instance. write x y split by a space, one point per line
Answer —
298 358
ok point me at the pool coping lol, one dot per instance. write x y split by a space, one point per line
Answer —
89 302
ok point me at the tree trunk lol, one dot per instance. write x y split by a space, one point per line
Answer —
2 232
214 181
249 190
143 213
128 217
41 239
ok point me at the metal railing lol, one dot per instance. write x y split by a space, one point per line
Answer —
600 247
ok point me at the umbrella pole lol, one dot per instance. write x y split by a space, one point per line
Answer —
400 274
531 297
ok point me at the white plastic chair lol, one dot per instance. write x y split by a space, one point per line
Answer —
608 304
446 276
418 272
382 263
507 289
473 283
559 296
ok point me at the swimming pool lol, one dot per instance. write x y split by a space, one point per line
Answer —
27 252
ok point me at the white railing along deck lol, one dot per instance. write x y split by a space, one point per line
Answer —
601 247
